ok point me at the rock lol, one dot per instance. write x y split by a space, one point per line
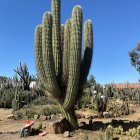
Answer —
88 116
131 111
11 116
100 115
78 116
82 124
43 117
106 114
48 117
52 115
66 134
111 114
95 116
36 116
57 126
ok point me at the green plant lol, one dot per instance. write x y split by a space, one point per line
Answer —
85 137
25 77
109 133
118 130
16 103
131 132
63 74
138 130
6 97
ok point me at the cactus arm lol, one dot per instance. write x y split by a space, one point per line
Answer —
56 35
38 55
61 55
62 38
66 51
48 62
75 58
88 51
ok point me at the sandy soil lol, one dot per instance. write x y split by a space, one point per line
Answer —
12 126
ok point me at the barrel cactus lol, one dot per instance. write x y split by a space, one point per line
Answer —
59 63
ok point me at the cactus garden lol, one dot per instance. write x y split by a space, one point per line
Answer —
68 94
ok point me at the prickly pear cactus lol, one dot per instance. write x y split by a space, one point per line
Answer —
60 67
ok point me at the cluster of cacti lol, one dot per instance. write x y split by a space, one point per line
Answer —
6 97
101 100
109 133
131 132
125 108
134 132
60 67
5 83
118 130
22 98
25 77
85 137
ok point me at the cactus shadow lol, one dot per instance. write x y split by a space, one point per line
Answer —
100 125
126 124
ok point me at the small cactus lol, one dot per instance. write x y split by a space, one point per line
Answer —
118 130
131 132
138 130
109 133
16 103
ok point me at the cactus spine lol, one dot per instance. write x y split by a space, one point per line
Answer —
58 58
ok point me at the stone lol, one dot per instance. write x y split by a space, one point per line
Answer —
57 126
106 114
66 134
52 115
43 117
88 116
82 124
95 116
48 117
111 114
11 116
36 116
78 116
100 115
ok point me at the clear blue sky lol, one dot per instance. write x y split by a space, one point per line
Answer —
116 31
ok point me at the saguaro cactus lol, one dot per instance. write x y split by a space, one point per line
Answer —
60 66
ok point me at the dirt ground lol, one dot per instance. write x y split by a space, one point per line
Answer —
9 128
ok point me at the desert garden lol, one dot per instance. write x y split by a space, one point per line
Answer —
63 101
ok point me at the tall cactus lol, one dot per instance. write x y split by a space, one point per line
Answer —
59 64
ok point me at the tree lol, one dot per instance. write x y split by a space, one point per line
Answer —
135 57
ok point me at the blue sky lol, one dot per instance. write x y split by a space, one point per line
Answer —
116 31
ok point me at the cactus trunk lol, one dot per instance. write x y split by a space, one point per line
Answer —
70 116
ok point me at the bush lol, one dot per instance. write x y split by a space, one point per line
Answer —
31 110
